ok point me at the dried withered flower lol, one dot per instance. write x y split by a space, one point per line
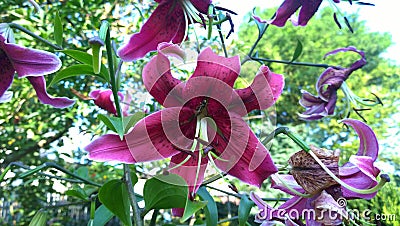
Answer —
309 174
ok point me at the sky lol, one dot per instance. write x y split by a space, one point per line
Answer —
383 17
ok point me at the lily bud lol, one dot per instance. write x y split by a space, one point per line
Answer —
96 44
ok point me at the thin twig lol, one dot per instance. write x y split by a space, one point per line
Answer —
132 197
30 33
291 62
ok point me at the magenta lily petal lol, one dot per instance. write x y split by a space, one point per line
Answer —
356 65
166 24
30 62
327 85
288 9
157 76
189 169
308 9
160 136
368 141
210 64
285 11
109 147
357 180
360 171
243 156
288 179
39 84
201 5
104 99
316 108
266 212
297 203
6 97
329 82
6 73
262 93
366 165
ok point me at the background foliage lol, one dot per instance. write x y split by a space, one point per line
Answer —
32 133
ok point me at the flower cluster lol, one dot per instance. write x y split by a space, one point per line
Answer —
201 122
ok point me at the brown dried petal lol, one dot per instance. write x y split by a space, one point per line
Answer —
309 174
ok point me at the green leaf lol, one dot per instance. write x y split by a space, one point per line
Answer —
58 29
78 193
297 51
71 71
113 123
131 120
191 208
211 210
86 58
82 171
114 196
102 216
165 192
244 209
134 177
40 218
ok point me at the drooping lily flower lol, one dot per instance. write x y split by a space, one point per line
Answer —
105 100
359 173
168 23
289 7
32 64
327 85
201 122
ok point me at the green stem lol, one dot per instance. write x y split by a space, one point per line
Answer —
20 165
290 134
229 219
222 40
65 205
307 64
256 42
153 220
3 174
55 166
132 196
112 72
30 33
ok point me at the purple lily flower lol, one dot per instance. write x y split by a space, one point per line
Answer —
359 172
105 100
32 64
327 85
288 8
168 23
201 123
